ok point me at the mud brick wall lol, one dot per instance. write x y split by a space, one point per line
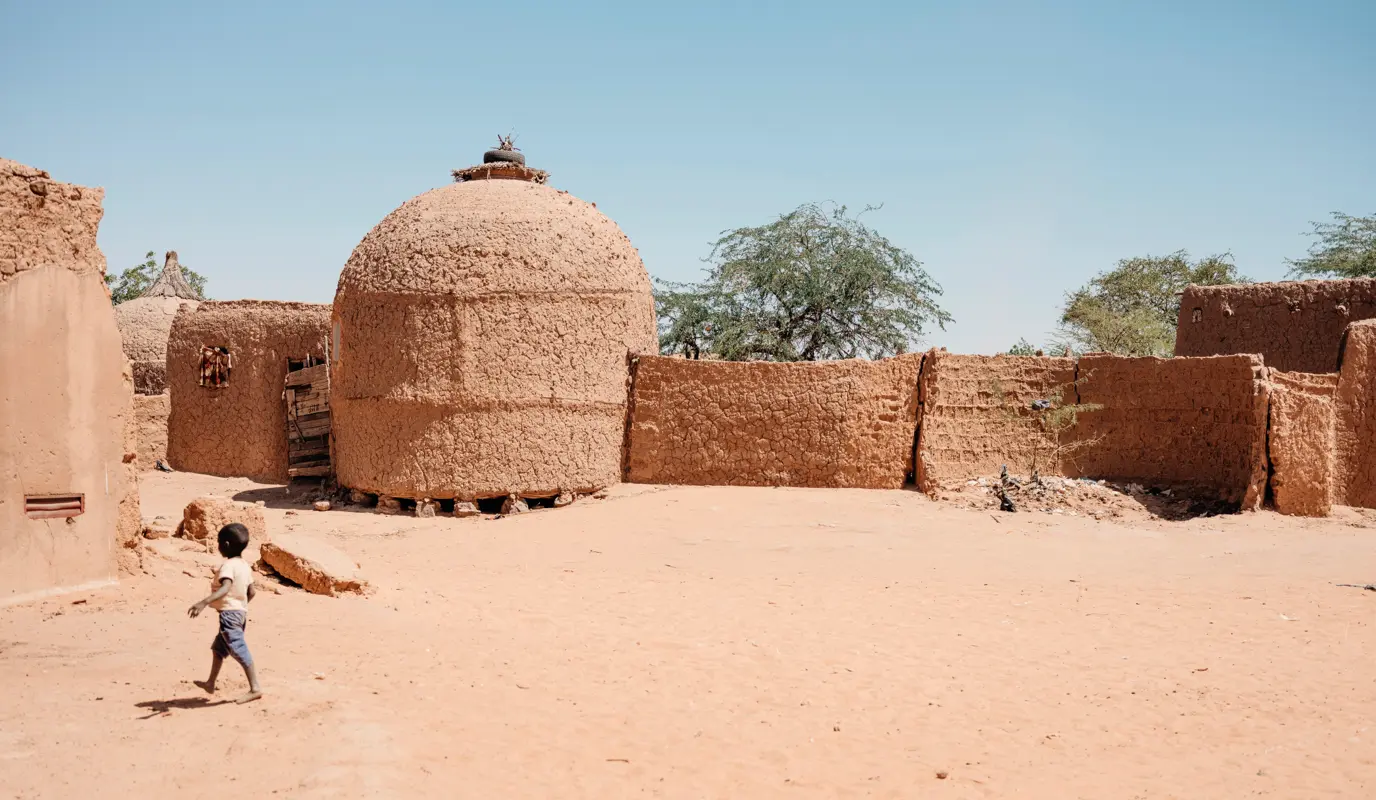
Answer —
1295 326
1197 424
976 415
1302 442
65 393
238 430
836 424
44 223
1355 412
150 418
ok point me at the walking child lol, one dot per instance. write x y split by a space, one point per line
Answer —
233 590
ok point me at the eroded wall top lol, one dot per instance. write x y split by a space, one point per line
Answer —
46 223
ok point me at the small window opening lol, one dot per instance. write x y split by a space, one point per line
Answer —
446 506
54 506
216 364
1197 315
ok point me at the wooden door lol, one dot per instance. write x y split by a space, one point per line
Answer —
308 421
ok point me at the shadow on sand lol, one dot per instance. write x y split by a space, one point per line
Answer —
160 707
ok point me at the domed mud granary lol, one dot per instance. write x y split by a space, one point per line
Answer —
146 321
481 340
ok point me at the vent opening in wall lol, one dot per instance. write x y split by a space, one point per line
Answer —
1197 315
54 506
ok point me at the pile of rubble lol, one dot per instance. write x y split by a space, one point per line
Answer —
1079 497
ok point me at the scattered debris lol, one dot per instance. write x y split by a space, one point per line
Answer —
1076 497
463 508
942 775
162 467
564 499
322 505
388 505
514 505
1370 587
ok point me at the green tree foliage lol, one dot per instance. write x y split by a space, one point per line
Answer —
1346 248
1023 348
813 284
132 282
1133 308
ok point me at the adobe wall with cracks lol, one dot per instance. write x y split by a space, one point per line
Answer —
1302 441
65 422
238 430
976 415
833 424
1195 424
1355 419
1296 326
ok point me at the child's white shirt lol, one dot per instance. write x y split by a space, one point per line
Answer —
240 576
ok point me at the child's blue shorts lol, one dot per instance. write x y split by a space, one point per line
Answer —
229 642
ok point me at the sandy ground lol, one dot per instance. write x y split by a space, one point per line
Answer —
726 642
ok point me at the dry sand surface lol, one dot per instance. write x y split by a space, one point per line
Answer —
724 642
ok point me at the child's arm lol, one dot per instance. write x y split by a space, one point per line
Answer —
252 590
195 611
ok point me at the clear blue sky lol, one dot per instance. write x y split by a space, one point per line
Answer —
1017 147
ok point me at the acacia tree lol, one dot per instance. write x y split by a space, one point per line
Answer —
813 284
1346 248
1133 308
132 282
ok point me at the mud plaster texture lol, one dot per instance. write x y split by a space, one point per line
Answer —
1296 326
1301 442
976 415
482 342
145 323
845 424
66 425
238 430
1197 424
150 419
1355 479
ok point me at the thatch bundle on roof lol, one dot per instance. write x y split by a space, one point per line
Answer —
171 282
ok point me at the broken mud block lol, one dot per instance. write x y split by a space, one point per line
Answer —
426 508
564 499
360 498
205 516
463 508
388 505
514 505
321 505
318 567
158 528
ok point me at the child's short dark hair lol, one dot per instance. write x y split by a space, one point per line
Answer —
233 540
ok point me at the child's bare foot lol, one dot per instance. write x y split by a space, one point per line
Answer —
207 686
248 698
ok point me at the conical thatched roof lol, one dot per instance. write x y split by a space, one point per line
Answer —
171 282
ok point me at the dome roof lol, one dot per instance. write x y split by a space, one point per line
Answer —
485 236
144 324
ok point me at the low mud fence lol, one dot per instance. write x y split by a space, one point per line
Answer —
835 424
